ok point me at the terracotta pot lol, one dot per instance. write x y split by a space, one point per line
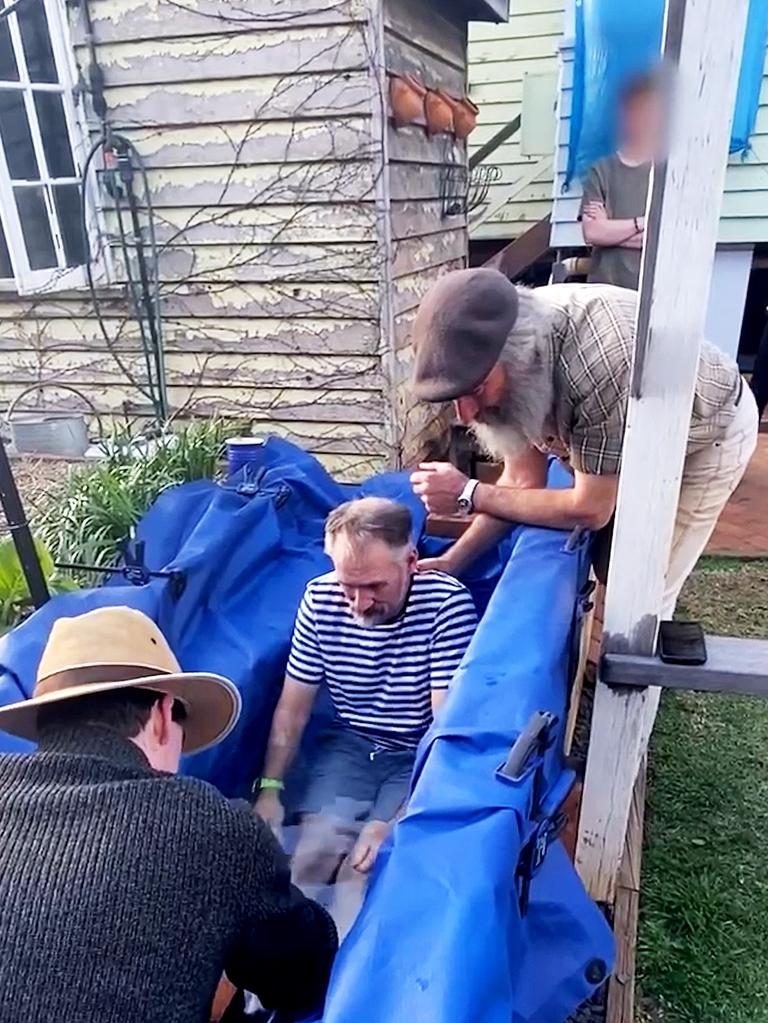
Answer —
465 117
406 99
439 111
464 113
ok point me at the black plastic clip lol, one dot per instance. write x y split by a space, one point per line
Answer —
533 854
534 739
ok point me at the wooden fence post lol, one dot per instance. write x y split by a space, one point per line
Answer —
704 38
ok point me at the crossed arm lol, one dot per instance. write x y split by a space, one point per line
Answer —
599 229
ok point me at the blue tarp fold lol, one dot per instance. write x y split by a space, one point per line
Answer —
441 938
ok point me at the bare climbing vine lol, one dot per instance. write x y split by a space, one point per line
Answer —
289 237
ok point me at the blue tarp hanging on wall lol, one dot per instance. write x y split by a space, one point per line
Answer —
616 40
442 938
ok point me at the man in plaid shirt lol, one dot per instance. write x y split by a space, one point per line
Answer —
548 371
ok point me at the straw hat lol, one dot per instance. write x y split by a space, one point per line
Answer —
120 648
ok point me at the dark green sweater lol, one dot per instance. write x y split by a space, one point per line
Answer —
125 893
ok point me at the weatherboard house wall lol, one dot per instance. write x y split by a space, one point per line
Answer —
525 66
297 228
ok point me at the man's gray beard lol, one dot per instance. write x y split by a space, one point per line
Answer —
518 421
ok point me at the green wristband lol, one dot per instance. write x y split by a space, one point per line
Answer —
271 783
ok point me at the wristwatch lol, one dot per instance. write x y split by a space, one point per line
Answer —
466 501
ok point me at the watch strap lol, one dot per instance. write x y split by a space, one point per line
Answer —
466 500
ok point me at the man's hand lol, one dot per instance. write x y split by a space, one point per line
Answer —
595 211
270 808
439 485
442 564
366 849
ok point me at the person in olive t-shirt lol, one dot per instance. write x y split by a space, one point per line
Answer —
616 188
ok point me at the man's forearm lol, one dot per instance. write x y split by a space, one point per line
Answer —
527 471
556 509
284 740
612 233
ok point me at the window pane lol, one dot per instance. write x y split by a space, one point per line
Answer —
37 42
9 72
6 270
35 227
53 128
16 138
68 204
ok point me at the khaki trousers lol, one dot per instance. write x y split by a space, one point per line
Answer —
710 476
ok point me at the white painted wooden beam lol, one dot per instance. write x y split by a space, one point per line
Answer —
705 39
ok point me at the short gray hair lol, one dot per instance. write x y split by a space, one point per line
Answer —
370 518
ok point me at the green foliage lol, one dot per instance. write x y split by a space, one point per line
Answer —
103 501
15 599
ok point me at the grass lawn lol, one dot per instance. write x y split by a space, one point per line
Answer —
703 943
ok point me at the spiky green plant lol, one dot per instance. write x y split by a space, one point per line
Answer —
103 501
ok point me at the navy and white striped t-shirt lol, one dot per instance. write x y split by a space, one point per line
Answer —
381 677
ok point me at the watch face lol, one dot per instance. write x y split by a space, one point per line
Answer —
463 505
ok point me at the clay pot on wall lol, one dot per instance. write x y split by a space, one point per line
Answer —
464 113
406 99
464 117
439 110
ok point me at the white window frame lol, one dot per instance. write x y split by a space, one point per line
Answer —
26 280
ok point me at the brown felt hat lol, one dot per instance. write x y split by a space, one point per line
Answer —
459 332
120 648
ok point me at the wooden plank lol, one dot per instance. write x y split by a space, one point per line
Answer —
429 250
620 1007
267 98
254 142
451 526
239 336
131 20
262 184
324 372
404 57
707 43
420 22
261 404
733 666
412 144
294 299
500 197
515 258
218 58
316 223
267 263
526 17
408 291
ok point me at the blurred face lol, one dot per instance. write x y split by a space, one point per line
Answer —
642 122
374 578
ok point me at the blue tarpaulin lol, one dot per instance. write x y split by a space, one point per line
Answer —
445 935
616 40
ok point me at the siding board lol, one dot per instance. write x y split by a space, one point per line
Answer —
284 201
254 142
500 56
196 335
243 99
274 52
134 20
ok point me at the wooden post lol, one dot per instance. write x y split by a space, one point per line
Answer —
704 38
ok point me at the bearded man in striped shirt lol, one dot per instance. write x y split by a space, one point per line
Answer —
386 640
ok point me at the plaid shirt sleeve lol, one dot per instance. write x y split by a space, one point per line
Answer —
597 368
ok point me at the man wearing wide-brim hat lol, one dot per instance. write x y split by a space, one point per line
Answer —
548 371
126 890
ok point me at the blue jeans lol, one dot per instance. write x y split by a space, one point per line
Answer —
354 780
